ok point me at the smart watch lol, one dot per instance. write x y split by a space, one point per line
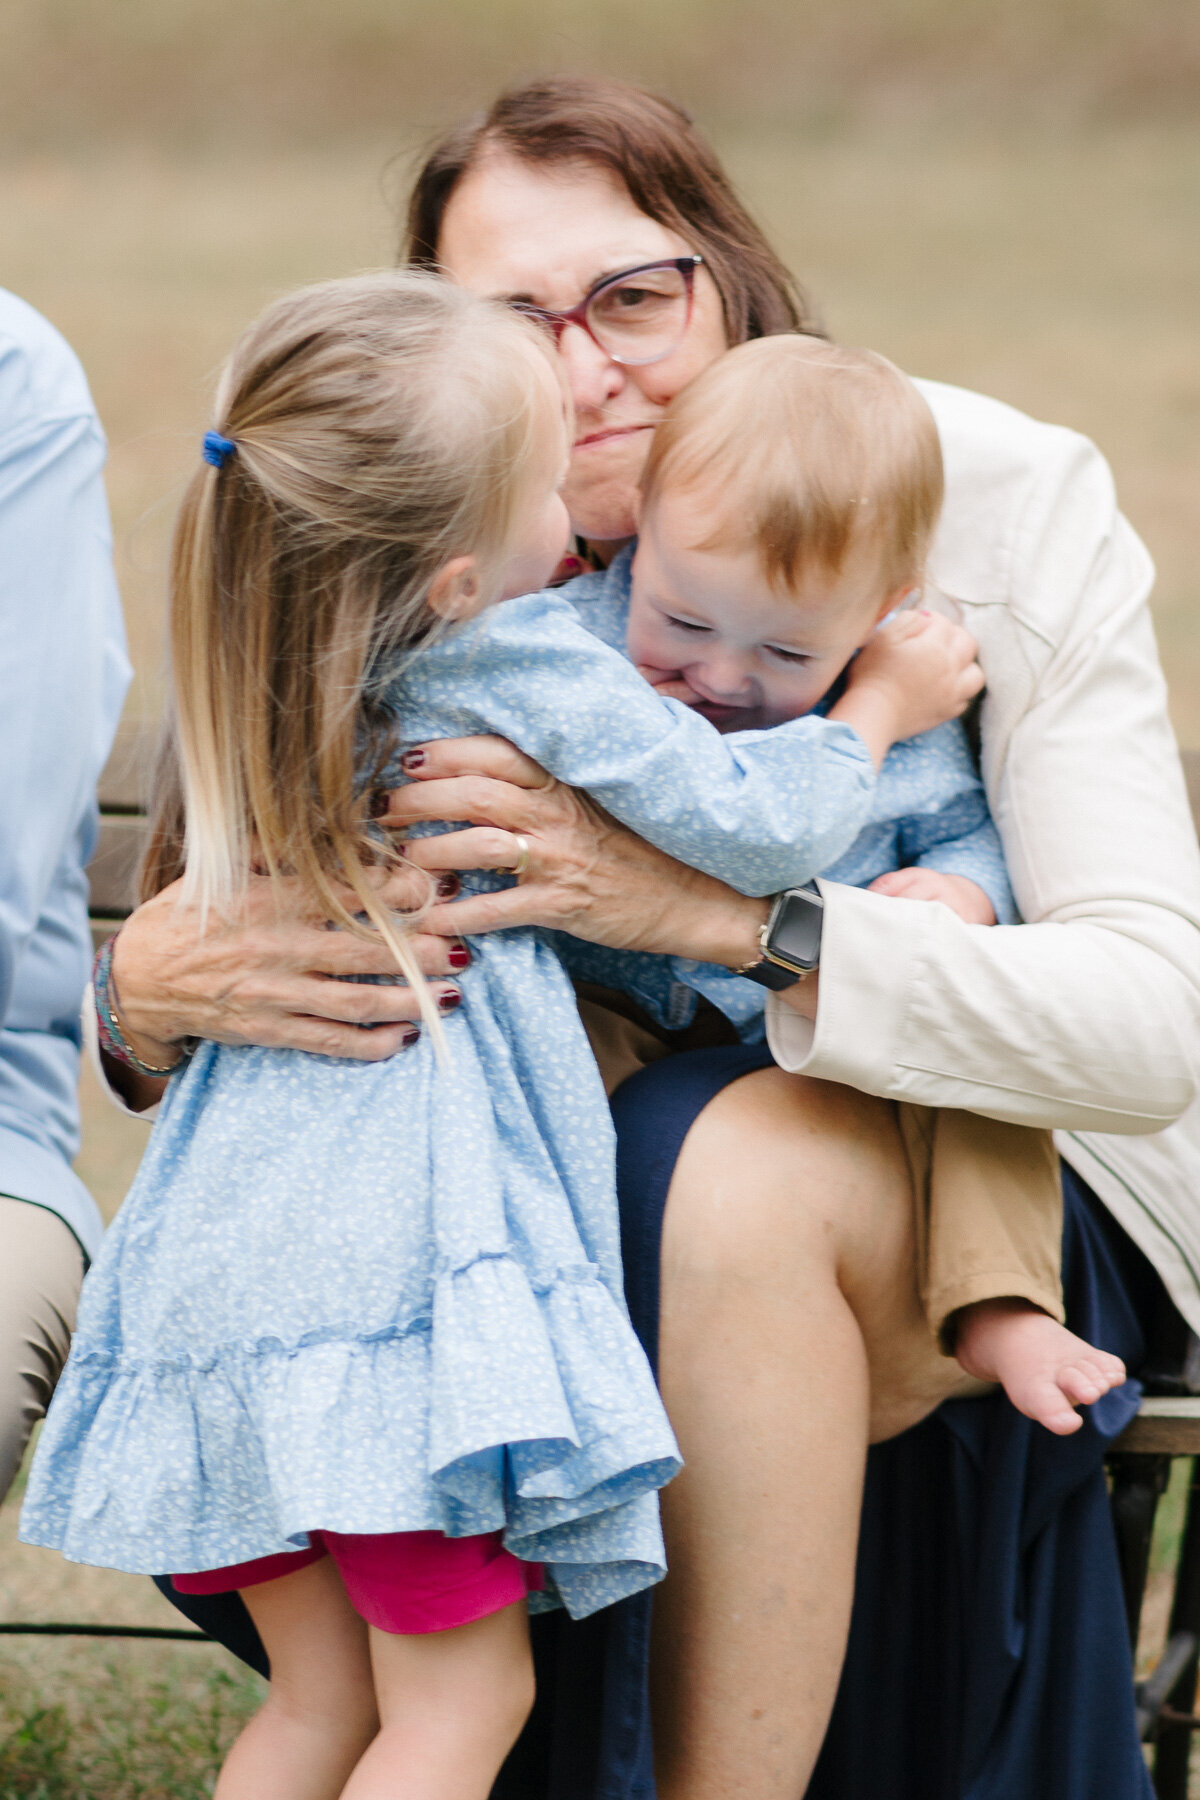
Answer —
790 941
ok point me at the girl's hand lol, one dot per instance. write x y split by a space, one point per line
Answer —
915 672
961 895
583 872
263 973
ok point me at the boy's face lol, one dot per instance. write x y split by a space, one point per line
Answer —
752 656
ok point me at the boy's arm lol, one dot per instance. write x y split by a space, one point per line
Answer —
979 856
948 826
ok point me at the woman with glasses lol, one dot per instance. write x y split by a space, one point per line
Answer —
768 1261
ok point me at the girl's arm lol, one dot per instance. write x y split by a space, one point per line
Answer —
761 809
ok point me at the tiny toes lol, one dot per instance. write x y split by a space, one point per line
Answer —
1079 1389
1048 1402
1107 1369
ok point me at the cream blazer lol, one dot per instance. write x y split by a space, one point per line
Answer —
1086 1018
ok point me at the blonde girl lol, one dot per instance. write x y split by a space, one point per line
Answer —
356 1345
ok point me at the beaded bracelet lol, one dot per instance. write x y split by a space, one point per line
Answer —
112 1037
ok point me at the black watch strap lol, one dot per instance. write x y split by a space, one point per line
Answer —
769 975
790 939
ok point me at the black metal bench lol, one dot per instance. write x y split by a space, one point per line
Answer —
1167 1426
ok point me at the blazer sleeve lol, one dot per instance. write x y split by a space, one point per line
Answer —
1087 1017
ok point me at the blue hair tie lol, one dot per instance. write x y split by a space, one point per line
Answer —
218 449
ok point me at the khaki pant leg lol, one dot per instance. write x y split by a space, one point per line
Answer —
41 1269
620 1046
989 1212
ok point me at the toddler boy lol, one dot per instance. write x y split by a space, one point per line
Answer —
788 506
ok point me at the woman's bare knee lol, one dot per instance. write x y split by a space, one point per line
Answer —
781 1176
786 1190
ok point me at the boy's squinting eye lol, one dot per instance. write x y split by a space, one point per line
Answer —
788 656
686 624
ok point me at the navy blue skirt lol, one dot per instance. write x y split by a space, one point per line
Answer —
988 1656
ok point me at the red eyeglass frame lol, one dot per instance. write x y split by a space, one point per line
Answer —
557 322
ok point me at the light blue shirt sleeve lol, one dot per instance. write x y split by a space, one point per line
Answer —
760 809
942 821
63 674
979 855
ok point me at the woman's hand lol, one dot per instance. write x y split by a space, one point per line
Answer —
263 973
582 872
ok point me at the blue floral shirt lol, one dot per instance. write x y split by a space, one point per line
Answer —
927 810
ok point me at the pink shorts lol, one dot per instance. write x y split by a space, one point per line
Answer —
401 1581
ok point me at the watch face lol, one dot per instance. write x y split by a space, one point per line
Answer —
796 936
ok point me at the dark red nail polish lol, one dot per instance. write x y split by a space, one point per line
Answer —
379 803
458 956
410 1037
447 886
449 1000
412 759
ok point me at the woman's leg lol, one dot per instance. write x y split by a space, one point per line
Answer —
320 1714
451 1704
791 1333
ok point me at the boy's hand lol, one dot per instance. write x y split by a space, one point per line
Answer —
961 895
668 684
915 672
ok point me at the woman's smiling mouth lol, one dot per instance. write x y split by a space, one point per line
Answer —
608 433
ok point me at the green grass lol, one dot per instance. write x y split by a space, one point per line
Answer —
124 1728
96 1719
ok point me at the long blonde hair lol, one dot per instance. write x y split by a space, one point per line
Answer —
381 426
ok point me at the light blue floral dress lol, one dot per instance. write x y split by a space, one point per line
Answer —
387 1297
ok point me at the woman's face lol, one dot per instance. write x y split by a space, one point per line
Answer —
515 232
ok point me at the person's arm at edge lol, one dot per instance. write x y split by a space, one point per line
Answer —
62 654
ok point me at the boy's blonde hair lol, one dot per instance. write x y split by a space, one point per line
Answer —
382 425
807 452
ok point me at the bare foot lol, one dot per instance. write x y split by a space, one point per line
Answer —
1045 1370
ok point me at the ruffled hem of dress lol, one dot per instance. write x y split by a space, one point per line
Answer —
503 1409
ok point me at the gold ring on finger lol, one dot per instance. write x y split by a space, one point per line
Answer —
524 856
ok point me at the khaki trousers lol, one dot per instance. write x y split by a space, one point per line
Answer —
41 1270
987 1196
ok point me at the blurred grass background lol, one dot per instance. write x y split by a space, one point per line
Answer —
1002 193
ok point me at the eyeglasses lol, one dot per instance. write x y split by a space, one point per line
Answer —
636 317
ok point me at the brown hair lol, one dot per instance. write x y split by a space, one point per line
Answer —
381 426
668 169
807 451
